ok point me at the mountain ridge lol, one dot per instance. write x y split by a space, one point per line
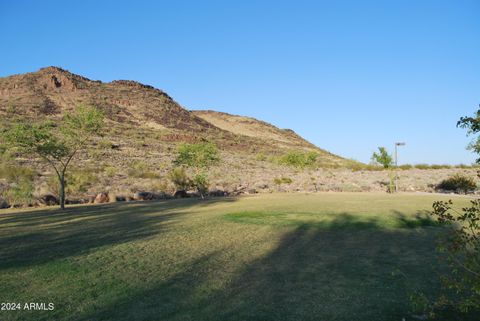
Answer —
52 91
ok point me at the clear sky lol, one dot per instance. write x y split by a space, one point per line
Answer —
347 75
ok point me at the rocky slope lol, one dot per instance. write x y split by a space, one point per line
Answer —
52 91
144 126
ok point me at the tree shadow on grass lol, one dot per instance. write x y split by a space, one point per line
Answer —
347 272
40 236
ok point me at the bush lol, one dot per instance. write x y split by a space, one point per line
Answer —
298 159
15 174
110 171
139 169
282 180
20 193
200 155
200 182
179 178
20 179
260 157
461 251
422 166
458 183
76 181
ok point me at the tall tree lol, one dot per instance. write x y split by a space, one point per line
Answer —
56 143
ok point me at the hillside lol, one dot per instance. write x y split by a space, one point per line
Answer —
144 126
52 91
251 127
143 129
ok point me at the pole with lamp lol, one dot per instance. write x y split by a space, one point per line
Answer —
396 164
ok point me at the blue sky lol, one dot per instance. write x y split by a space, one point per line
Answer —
347 75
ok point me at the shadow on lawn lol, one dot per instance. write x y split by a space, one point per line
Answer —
40 236
314 273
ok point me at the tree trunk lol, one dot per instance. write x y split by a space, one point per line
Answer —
61 192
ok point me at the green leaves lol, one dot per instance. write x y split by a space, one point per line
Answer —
202 155
461 250
472 124
382 157
55 143
298 159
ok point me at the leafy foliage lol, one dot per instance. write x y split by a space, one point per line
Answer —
20 180
179 178
56 143
200 182
282 180
201 155
462 249
20 193
458 183
472 124
382 157
139 169
298 159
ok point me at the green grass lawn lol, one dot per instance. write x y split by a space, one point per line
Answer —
328 256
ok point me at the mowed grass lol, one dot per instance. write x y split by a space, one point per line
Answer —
327 256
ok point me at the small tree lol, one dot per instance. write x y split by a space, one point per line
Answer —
383 158
199 157
57 143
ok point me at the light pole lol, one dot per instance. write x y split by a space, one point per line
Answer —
396 165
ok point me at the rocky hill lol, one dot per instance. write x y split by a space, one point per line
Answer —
144 127
52 91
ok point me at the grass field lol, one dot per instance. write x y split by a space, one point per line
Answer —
330 256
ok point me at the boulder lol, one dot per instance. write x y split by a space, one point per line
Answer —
217 193
101 198
180 194
3 203
76 201
143 196
48 200
252 191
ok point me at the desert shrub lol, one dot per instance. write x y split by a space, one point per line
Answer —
355 167
260 157
282 180
405 166
179 178
199 155
20 193
160 185
458 183
15 173
298 159
139 169
422 166
440 166
20 180
110 171
76 181
105 144
200 183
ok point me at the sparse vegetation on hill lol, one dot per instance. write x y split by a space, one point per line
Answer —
145 130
